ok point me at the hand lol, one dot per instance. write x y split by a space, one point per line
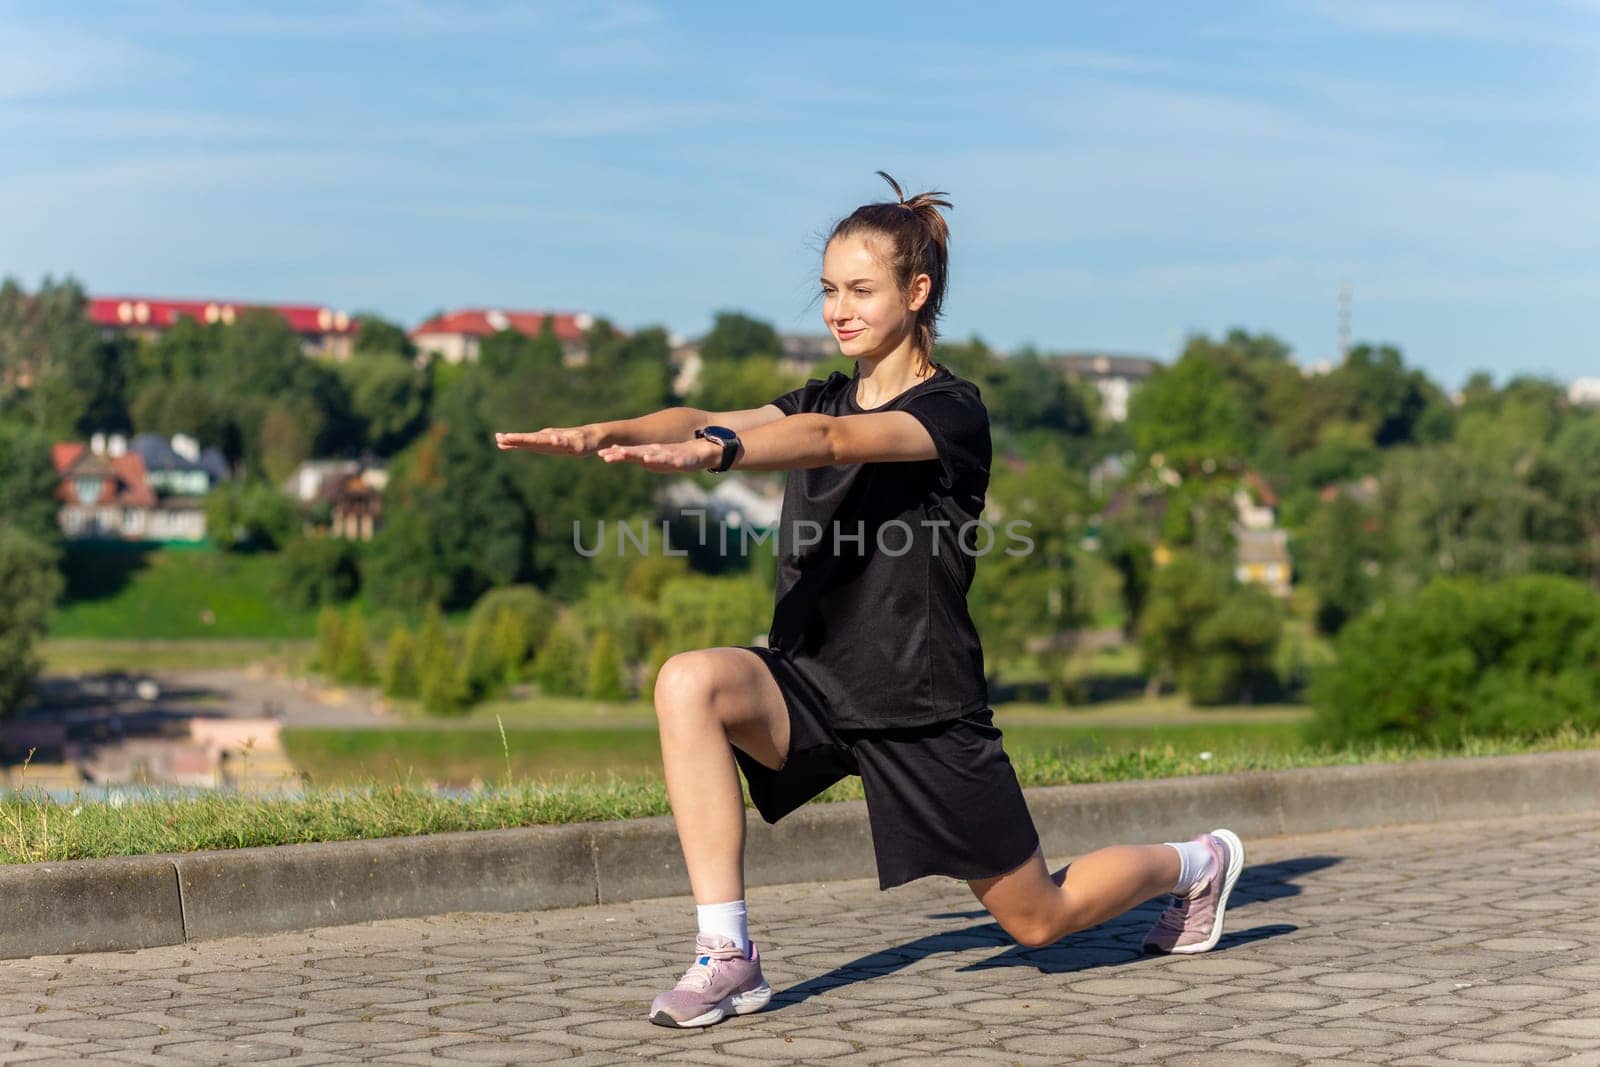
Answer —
673 458
553 440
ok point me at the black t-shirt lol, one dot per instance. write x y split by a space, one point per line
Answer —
875 560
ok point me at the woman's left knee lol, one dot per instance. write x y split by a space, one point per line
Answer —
1031 932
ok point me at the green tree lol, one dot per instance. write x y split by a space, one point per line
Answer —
250 516
484 657
441 683
732 385
74 383
1027 593
399 679
1466 658
605 671
1189 413
1234 648
456 522
187 406
1339 558
516 617
1386 397
185 353
698 611
1201 629
736 336
511 354
441 688
970 359
318 570
1183 595
1030 393
1575 455
377 336
390 398
287 434
330 640
558 668
29 586
28 484
354 663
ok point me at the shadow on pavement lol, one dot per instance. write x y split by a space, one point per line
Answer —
1112 942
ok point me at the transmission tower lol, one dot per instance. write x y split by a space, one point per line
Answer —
1344 321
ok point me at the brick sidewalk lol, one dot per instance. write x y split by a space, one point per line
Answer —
1415 946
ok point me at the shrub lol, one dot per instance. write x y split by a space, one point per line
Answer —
354 663
558 667
441 679
701 612
318 570
400 665
514 620
1466 658
29 585
1214 637
330 639
605 671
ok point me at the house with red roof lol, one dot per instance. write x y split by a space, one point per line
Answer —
455 336
323 331
105 493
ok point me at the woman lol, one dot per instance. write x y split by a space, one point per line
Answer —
873 666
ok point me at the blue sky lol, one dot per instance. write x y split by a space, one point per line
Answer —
1123 174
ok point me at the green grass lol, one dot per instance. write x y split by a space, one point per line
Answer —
132 591
69 655
463 755
460 756
33 828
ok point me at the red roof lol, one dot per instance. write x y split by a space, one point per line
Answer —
131 486
156 314
481 322
66 454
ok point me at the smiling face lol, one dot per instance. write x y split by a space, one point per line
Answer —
866 310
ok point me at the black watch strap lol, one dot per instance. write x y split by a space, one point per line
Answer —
727 439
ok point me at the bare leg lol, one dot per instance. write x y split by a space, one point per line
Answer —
706 703
1038 908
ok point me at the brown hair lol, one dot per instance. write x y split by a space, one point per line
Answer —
919 241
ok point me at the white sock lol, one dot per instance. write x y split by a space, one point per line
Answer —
1194 863
725 920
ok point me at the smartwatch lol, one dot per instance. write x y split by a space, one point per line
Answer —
724 437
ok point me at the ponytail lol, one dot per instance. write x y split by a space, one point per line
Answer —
919 240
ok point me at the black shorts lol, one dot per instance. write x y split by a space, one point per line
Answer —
941 799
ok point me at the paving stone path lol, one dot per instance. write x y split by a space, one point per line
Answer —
1460 944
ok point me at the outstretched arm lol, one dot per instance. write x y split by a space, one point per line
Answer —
805 440
669 424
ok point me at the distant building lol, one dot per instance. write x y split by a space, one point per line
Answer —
1584 391
1113 375
343 495
323 331
105 492
685 361
803 351
737 500
1261 554
456 336
178 467
1263 559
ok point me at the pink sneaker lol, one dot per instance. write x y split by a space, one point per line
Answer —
1194 923
721 981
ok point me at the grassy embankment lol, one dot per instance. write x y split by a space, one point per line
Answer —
32 828
555 760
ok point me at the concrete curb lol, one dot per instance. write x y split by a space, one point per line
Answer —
114 904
